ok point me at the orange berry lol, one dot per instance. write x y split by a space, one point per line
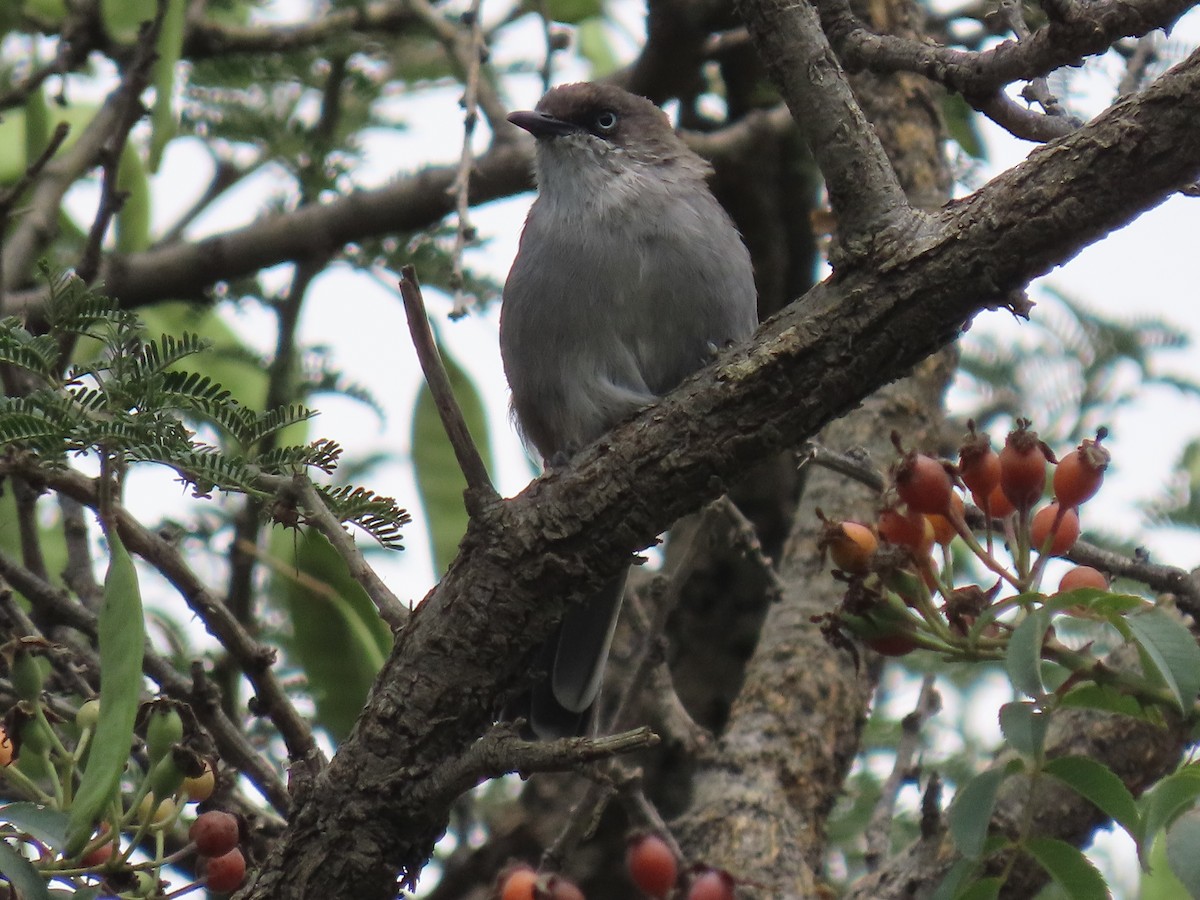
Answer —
652 865
1083 577
943 530
978 465
1023 466
851 546
923 483
1058 526
201 787
997 505
910 530
519 884
6 748
1080 472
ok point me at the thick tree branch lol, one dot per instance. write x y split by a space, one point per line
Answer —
863 190
978 75
523 560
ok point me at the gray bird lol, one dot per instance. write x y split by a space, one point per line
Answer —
628 277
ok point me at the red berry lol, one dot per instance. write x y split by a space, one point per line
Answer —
1081 471
103 853
1083 577
562 889
895 644
226 872
1050 520
711 884
923 483
519 884
910 530
850 545
1023 467
978 465
214 833
652 865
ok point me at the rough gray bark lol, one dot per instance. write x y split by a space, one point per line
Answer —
380 805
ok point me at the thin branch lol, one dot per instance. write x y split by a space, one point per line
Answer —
850 464
1022 122
878 833
465 232
467 52
391 610
501 751
134 81
480 491
863 189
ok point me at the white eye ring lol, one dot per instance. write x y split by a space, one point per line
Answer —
607 120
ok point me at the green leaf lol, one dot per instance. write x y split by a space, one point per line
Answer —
1070 869
1158 882
21 874
1024 727
170 45
960 123
984 889
133 219
958 875
1099 785
1183 839
336 635
47 825
971 812
572 12
440 481
596 48
1107 699
1172 650
1166 800
122 639
1024 657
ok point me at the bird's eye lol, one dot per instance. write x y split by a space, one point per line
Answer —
606 121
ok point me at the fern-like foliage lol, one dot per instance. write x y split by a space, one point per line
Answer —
132 401
379 516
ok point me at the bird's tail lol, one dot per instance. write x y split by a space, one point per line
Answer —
560 703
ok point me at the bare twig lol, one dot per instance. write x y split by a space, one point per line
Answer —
849 464
135 80
480 490
878 834
746 537
1024 123
391 610
501 751
465 232
1144 55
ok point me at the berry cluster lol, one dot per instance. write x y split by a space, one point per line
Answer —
652 865
890 566
41 756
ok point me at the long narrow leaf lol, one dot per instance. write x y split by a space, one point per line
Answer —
122 636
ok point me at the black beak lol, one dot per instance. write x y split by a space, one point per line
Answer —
541 125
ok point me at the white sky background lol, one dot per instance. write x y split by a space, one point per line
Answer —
1148 269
